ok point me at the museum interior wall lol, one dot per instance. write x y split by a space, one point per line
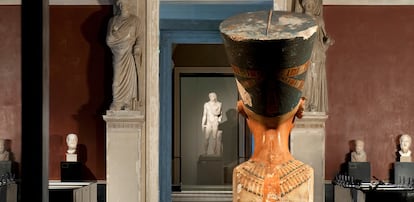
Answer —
80 85
368 70
10 86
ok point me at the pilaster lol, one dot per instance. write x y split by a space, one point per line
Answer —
125 156
307 144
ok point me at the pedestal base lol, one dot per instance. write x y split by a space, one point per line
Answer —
405 158
71 157
210 170
125 156
360 171
5 167
70 171
307 144
404 173
8 192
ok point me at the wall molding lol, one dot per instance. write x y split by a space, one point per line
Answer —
80 2
62 2
11 2
369 2
325 2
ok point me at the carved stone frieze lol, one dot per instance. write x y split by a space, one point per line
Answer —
116 120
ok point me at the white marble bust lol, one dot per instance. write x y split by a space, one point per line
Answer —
359 154
405 152
4 154
71 142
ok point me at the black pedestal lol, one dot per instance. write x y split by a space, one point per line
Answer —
70 171
210 170
5 168
404 173
360 171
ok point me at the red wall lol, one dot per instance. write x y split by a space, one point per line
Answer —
80 85
370 78
10 70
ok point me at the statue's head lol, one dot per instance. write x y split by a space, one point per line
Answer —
405 142
359 146
122 7
212 96
72 141
312 7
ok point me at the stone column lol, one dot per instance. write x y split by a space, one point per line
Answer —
307 144
125 156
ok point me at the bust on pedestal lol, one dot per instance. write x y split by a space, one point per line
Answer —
71 169
404 168
72 143
5 163
4 154
359 168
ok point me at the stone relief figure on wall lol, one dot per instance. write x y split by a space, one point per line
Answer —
315 89
124 37
405 152
210 121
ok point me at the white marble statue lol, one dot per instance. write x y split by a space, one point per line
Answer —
4 154
211 118
359 154
124 37
405 152
315 89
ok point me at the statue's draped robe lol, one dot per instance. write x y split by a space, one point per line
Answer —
123 38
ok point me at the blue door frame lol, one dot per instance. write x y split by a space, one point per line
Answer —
190 23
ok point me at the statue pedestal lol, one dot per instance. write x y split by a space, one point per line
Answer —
210 170
404 173
125 156
70 171
405 158
5 167
360 171
307 144
71 157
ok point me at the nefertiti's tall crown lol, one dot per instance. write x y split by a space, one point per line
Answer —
269 52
